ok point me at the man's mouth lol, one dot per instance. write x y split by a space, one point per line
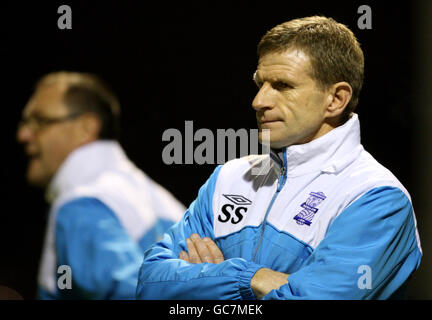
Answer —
32 155
268 121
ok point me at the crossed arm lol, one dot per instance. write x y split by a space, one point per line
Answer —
205 250
330 272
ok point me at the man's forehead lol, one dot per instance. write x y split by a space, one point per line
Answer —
45 99
279 64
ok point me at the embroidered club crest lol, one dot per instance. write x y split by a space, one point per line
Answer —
309 208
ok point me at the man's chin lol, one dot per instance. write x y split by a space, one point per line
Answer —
38 183
37 179
273 143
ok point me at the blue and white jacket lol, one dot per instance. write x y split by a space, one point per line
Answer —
105 213
325 212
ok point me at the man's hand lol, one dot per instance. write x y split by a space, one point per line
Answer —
205 250
266 280
201 250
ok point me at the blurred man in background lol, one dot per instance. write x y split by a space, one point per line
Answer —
104 211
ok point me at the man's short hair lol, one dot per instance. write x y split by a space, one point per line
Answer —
334 52
85 92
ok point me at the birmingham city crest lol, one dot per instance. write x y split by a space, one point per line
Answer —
309 210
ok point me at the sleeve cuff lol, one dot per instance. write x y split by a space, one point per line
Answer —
245 289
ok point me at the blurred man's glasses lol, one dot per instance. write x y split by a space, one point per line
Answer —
38 122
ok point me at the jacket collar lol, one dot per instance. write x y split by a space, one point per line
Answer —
329 153
84 165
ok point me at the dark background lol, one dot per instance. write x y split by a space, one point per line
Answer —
172 62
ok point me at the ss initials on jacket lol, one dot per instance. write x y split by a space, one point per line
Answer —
229 212
233 213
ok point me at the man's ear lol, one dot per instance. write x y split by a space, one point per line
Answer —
340 95
89 128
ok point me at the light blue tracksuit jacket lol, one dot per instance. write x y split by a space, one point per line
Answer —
326 213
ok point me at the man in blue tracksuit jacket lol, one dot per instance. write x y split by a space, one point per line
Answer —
318 218
105 212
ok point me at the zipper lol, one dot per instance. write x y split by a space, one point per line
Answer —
281 182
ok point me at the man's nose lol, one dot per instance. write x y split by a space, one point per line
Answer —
263 98
24 134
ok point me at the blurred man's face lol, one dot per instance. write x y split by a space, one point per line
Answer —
289 102
47 143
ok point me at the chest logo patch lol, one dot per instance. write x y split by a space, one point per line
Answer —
237 199
234 212
309 210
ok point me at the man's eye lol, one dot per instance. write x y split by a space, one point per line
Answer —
279 85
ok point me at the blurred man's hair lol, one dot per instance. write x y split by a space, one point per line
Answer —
334 52
85 92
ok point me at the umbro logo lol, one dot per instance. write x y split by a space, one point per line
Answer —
234 213
237 199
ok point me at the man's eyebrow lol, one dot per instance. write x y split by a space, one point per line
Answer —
272 79
33 114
